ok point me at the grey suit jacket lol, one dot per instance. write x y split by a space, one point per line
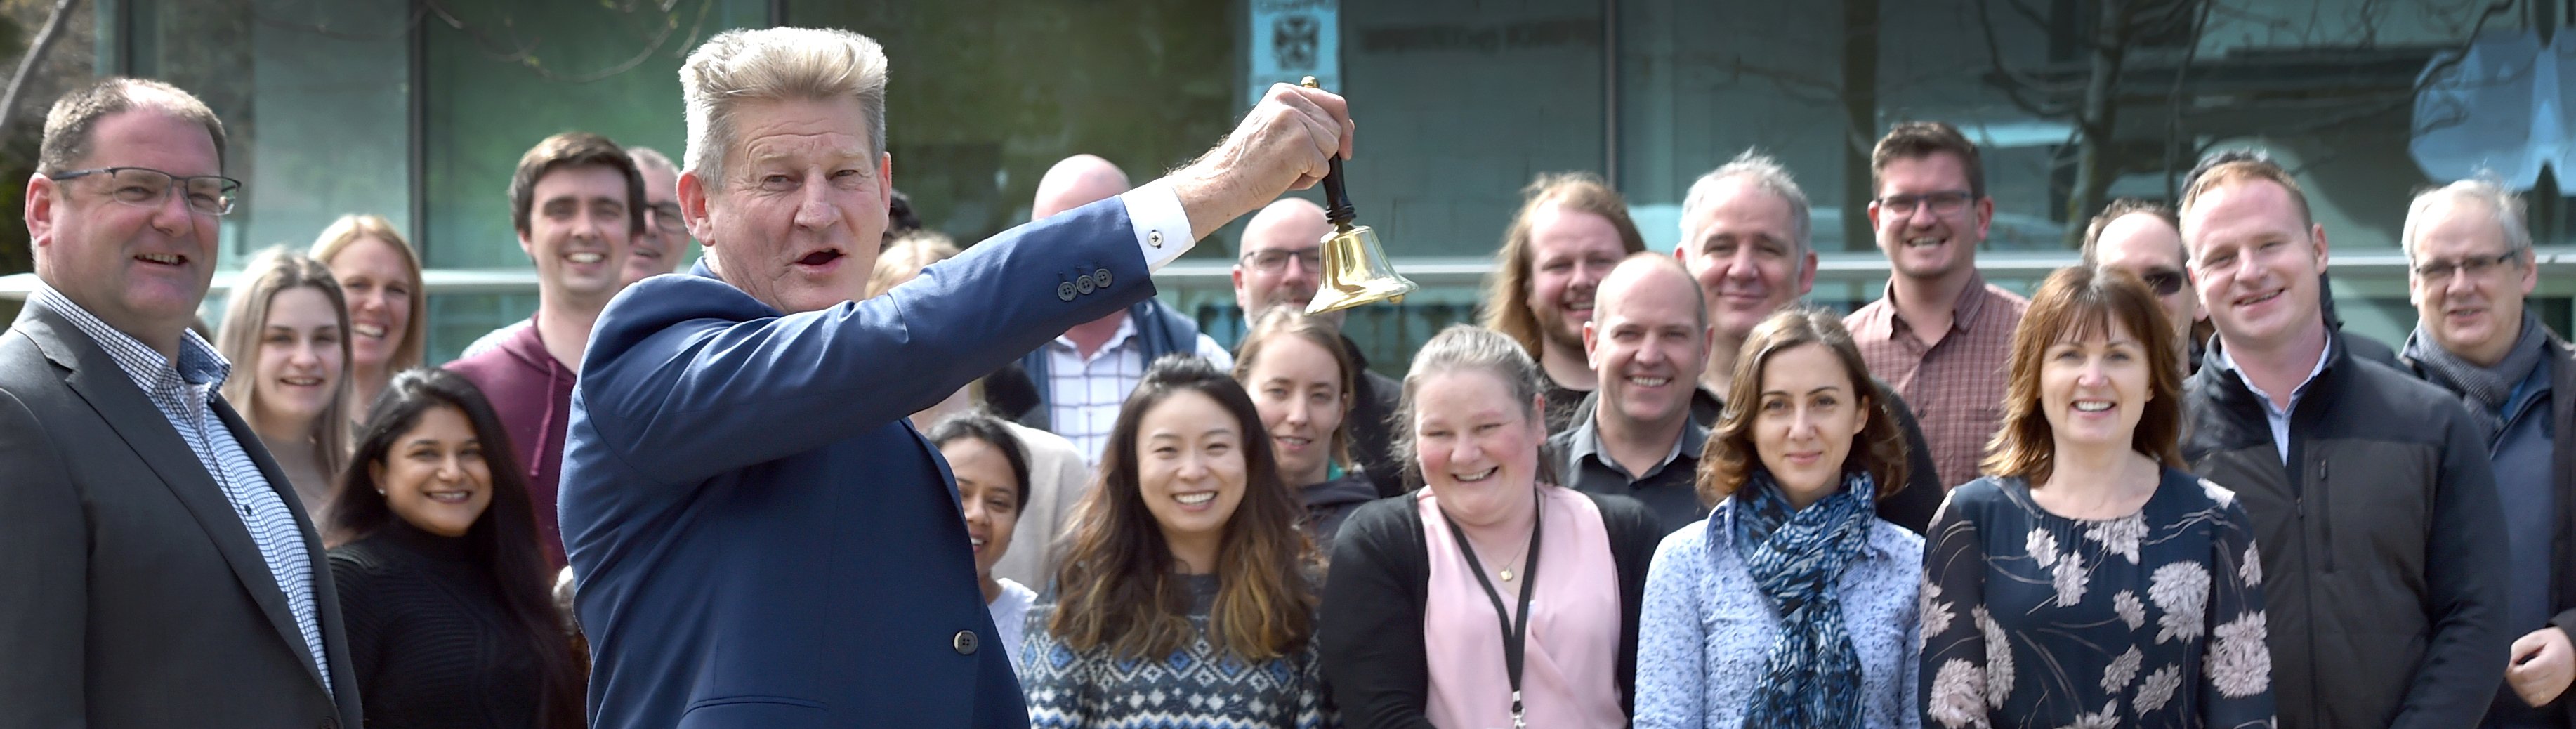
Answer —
131 595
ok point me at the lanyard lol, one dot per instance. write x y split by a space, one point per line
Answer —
1515 625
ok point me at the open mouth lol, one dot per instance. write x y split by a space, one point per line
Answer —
300 381
1477 476
2258 298
820 258
1650 381
1925 242
1293 441
975 541
165 259
1195 499
2093 406
370 331
448 497
586 257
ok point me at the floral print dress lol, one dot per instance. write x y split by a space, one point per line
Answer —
2154 619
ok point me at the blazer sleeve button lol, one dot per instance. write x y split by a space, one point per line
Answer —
1101 277
1083 285
965 642
1064 291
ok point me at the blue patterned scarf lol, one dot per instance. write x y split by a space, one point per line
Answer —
1812 678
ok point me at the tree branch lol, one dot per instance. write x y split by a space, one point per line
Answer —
45 38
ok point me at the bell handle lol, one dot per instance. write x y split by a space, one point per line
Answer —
1337 203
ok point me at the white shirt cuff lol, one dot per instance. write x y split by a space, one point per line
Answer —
1162 227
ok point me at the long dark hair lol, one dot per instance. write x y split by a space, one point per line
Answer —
1117 585
503 541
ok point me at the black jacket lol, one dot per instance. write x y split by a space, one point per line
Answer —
1370 633
2377 542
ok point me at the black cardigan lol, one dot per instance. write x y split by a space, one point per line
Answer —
1371 630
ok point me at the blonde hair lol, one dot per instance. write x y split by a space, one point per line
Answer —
354 227
904 259
773 64
269 272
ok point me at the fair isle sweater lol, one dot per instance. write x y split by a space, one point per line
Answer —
1200 686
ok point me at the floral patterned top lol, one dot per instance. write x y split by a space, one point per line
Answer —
2154 619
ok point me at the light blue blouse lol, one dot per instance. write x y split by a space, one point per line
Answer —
1706 628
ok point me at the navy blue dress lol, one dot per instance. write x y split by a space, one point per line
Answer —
2154 619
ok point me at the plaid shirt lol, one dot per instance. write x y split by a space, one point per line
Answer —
1085 393
1956 386
184 390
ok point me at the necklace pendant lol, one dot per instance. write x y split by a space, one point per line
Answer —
1507 575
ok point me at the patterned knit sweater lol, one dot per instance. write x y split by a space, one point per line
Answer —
1200 686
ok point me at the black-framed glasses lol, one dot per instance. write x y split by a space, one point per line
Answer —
2165 281
1267 261
666 216
151 188
2474 266
1944 203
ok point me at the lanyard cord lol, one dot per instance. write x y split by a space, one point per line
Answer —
1516 624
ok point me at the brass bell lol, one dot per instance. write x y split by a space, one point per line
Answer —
1356 270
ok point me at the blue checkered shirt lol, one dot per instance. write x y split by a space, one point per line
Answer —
184 391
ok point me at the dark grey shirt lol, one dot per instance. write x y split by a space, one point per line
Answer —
1669 489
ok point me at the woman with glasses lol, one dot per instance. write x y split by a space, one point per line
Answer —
1490 597
381 276
2090 581
285 330
1792 605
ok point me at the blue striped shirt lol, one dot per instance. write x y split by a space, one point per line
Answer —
184 391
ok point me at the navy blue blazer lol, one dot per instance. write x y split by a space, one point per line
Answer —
760 538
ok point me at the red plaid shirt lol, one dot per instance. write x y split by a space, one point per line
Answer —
1956 387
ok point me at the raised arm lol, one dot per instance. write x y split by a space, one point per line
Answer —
2464 660
43 562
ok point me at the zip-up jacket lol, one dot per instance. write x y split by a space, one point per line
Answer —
2381 540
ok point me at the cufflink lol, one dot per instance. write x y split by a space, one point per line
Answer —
1064 291
1100 278
1154 238
1082 284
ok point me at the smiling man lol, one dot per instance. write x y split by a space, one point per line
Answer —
158 570
1941 332
664 240
2470 269
2370 490
1647 341
578 203
761 538
1571 230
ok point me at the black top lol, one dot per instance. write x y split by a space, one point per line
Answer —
1371 625
1372 432
1669 489
428 636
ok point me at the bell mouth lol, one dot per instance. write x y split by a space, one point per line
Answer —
1356 272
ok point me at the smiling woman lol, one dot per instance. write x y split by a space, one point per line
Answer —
1186 555
286 333
448 601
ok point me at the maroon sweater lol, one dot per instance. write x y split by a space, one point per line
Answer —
532 393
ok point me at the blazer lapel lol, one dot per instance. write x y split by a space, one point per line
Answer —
97 379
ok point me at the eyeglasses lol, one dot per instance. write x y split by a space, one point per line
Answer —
150 188
1944 203
1271 261
2165 281
2474 266
666 216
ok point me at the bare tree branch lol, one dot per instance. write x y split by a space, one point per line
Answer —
2015 82
45 38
